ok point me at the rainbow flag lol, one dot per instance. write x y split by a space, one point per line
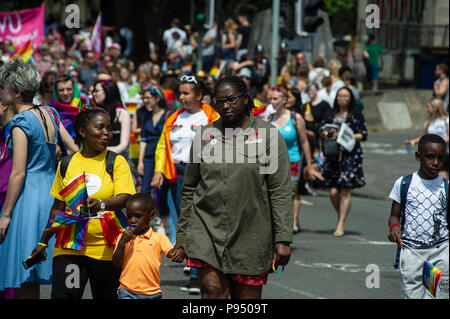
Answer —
25 52
113 223
186 69
214 71
178 49
134 148
430 277
75 194
71 228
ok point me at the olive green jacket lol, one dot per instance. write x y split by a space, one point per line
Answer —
235 208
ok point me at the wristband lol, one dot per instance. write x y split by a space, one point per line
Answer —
275 271
392 225
42 244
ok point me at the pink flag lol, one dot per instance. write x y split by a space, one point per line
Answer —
96 40
20 25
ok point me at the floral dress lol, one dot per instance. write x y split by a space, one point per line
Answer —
348 171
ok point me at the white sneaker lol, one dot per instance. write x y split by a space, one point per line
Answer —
187 270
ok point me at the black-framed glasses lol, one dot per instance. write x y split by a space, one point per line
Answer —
230 100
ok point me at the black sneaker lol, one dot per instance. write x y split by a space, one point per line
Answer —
193 287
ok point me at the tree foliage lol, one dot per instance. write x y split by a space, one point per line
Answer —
334 6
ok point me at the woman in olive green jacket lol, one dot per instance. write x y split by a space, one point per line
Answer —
236 222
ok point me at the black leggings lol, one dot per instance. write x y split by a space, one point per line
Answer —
71 273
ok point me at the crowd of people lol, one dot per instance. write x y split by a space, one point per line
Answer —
130 133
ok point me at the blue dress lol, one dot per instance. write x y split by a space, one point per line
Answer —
150 134
30 214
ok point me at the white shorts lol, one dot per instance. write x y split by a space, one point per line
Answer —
411 268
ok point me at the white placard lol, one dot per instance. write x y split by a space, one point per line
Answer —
346 138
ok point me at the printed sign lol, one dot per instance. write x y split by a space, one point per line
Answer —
19 26
346 138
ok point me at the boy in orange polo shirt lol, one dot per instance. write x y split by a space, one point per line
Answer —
138 251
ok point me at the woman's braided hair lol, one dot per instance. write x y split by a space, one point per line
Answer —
83 118
239 85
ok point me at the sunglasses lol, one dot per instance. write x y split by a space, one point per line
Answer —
230 100
189 79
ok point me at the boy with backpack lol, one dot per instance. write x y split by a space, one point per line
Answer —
419 221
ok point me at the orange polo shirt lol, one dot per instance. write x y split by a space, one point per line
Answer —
141 262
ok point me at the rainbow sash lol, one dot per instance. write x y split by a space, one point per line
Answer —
430 277
75 194
134 148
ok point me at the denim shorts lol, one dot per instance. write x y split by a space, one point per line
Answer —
125 294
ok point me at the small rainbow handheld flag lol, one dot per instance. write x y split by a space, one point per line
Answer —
430 277
75 194
72 229
25 52
113 224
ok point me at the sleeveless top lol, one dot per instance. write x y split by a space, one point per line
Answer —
289 133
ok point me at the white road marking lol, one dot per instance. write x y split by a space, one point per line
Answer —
382 148
349 268
307 203
295 290
364 241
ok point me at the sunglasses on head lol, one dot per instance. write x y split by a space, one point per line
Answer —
189 79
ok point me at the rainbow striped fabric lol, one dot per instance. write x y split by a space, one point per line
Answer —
75 194
113 224
72 228
430 277
25 52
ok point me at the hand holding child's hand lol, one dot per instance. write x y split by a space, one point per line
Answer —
177 253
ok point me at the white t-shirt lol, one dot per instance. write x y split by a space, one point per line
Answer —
167 37
183 132
439 127
425 211
317 74
329 98
209 49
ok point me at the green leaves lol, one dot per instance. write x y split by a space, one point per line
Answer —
334 6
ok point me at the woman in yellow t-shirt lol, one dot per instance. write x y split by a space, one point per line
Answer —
91 259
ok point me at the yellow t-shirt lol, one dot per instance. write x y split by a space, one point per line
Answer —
100 186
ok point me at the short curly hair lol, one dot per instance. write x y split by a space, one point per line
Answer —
21 77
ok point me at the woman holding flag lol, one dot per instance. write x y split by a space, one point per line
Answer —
86 234
32 146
